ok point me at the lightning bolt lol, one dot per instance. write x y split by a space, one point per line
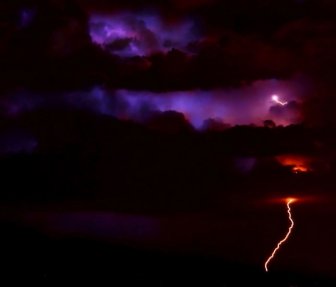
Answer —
276 99
289 201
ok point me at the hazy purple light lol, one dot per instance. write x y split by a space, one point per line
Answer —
103 225
245 164
26 17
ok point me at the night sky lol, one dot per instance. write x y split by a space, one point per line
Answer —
142 141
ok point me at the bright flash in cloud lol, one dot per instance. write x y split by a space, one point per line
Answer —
275 99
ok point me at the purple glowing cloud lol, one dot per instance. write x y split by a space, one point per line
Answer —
250 104
129 34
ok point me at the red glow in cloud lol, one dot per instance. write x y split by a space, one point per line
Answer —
298 163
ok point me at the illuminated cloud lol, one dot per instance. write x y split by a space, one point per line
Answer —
251 104
129 34
244 106
297 163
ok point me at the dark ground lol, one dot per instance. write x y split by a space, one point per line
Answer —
31 258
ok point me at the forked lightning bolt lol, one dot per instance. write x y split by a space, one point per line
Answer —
289 201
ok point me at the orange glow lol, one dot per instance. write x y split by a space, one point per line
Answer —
299 199
299 169
298 163
289 201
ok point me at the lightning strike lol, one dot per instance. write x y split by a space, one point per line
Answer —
289 201
275 98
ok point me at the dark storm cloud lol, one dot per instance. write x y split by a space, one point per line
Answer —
259 16
111 124
291 112
317 43
225 56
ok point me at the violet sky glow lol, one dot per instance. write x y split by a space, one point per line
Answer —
250 104
128 34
